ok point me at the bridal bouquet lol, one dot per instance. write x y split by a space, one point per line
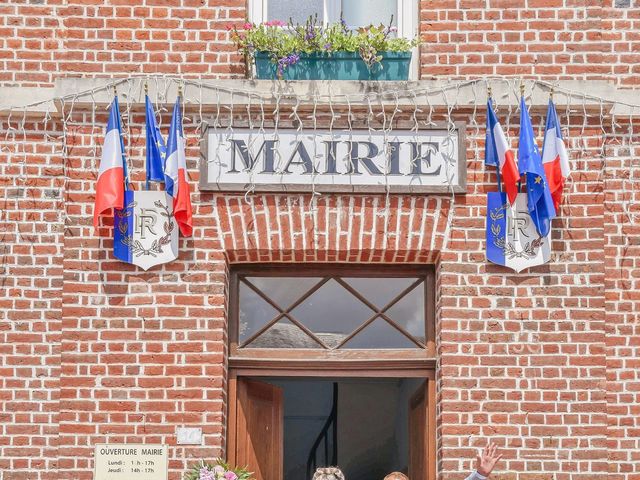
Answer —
218 470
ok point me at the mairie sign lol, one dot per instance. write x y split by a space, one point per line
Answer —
426 161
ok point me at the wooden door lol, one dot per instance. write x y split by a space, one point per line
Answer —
422 433
259 429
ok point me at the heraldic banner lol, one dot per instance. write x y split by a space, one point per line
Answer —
512 238
145 231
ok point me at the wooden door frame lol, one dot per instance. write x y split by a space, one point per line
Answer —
331 371
371 363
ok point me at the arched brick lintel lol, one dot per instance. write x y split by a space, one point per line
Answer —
331 228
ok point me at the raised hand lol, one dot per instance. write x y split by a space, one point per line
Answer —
487 459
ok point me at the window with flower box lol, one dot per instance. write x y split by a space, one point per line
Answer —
356 13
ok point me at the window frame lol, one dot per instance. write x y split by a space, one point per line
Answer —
407 20
394 362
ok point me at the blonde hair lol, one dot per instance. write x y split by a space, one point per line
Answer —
330 473
396 476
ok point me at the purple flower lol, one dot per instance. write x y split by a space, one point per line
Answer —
327 46
284 62
206 474
230 476
311 33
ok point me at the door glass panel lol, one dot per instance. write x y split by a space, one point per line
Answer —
295 10
380 291
408 312
284 334
362 13
284 291
379 334
332 312
326 306
254 312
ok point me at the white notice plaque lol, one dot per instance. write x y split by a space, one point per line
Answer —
423 161
130 461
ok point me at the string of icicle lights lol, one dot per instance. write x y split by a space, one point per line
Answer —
382 106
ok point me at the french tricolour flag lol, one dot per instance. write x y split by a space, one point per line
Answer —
156 149
110 185
175 174
498 154
554 156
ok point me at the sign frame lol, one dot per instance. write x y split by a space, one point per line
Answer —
460 187
164 446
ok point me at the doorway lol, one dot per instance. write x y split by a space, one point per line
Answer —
286 427
331 365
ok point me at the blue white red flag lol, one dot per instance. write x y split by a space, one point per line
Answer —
539 202
498 153
112 173
156 149
175 173
554 156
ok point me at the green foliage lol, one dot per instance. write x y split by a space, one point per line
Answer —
218 470
284 45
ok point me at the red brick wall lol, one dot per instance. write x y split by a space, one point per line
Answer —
32 214
41 41
544 362
622 305
583 39
522 356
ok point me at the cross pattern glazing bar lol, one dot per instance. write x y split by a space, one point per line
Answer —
285 312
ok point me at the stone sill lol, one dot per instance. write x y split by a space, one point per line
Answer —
83 92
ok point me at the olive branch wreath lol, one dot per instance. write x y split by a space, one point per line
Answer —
137 248
530 249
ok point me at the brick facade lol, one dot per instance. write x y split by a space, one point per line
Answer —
545 362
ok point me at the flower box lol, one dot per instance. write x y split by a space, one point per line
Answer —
336 66
313 51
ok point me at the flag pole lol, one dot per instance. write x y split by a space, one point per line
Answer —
521 96
124 157
489 94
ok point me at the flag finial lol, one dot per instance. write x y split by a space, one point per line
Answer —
115 90
179 89
146 87
521 88
489 93
551 93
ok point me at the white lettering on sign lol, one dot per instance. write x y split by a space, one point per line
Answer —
339 161
124 462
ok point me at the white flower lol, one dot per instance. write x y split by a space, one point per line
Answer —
219 472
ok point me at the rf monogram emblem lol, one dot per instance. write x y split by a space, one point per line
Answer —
145 221
519 223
